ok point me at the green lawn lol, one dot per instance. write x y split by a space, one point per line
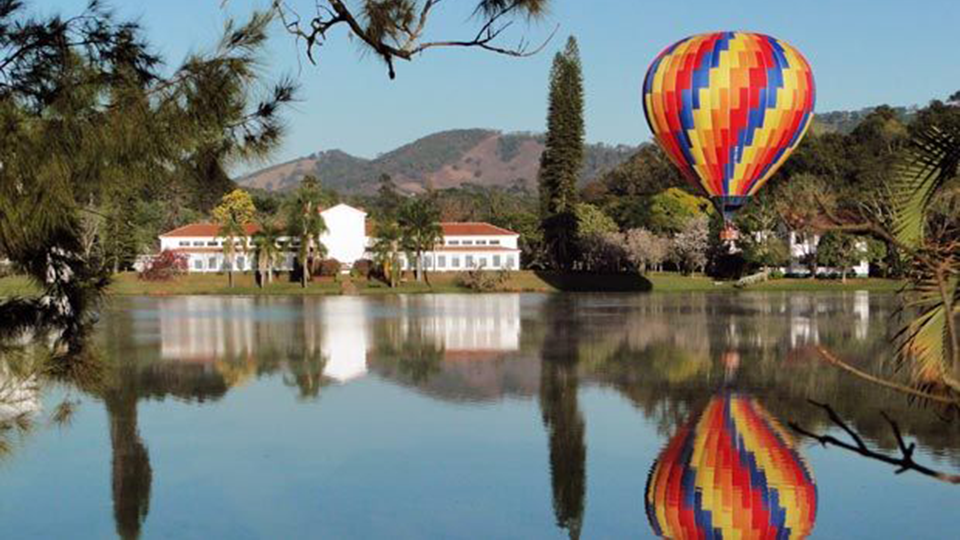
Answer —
128 284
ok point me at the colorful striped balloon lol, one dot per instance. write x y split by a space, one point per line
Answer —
731 472
728 108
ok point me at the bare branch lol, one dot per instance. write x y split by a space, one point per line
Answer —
904 462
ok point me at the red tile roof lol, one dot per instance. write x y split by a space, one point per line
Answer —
470 249
198 250
206 230
474 229
449 229
458 229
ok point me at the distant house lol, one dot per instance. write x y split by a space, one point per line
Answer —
803 246
348 239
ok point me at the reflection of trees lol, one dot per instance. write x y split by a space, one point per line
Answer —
131 471
404 348
566 431
306 374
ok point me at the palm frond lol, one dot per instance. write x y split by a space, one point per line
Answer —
931 161
922 340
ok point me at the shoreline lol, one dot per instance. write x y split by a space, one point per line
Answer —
127 284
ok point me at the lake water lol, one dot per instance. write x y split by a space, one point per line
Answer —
474 416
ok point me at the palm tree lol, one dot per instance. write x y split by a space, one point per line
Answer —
929 242
307 225
266 243
234 240
419 221
386 251
929 339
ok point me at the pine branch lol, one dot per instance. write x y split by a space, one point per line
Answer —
395 38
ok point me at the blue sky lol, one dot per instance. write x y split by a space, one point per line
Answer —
863 52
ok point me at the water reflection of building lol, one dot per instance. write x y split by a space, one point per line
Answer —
210 329
731 471
205 328
345 338
467 326
807 311
861 307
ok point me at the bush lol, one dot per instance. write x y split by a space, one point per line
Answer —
776 274
165 266
363 268
483 280
329 268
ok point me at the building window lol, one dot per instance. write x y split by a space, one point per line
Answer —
427 261
198 264
212 244
468 242
481 242
483 262
496 261
453 242
455 262
212 263
198 243
511 263
494 242
241 263
469 262
441 261
184 244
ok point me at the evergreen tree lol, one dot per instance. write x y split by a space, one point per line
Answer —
388 200
563 157
88 114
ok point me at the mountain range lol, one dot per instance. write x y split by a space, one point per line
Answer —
441 160
456 157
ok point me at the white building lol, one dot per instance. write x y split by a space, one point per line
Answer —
804 246
472 245
349 236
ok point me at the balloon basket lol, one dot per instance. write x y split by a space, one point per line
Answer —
729 233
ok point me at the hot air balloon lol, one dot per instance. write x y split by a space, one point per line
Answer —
728 108
731 472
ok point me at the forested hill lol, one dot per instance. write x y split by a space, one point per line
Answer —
441 160
845 121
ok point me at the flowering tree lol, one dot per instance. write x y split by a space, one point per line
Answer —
645 249
165 266
688 248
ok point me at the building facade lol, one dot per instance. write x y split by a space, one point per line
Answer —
348 239
468 246
804 246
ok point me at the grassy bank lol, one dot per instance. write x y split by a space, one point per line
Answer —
127 284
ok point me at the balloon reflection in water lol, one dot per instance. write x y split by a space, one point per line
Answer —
731 472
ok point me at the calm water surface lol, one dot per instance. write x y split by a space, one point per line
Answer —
501 416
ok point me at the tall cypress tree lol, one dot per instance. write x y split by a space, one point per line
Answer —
562 159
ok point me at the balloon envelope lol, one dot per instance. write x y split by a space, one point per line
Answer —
731 472
728 108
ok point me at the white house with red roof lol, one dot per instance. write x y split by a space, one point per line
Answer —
473 245
348 239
